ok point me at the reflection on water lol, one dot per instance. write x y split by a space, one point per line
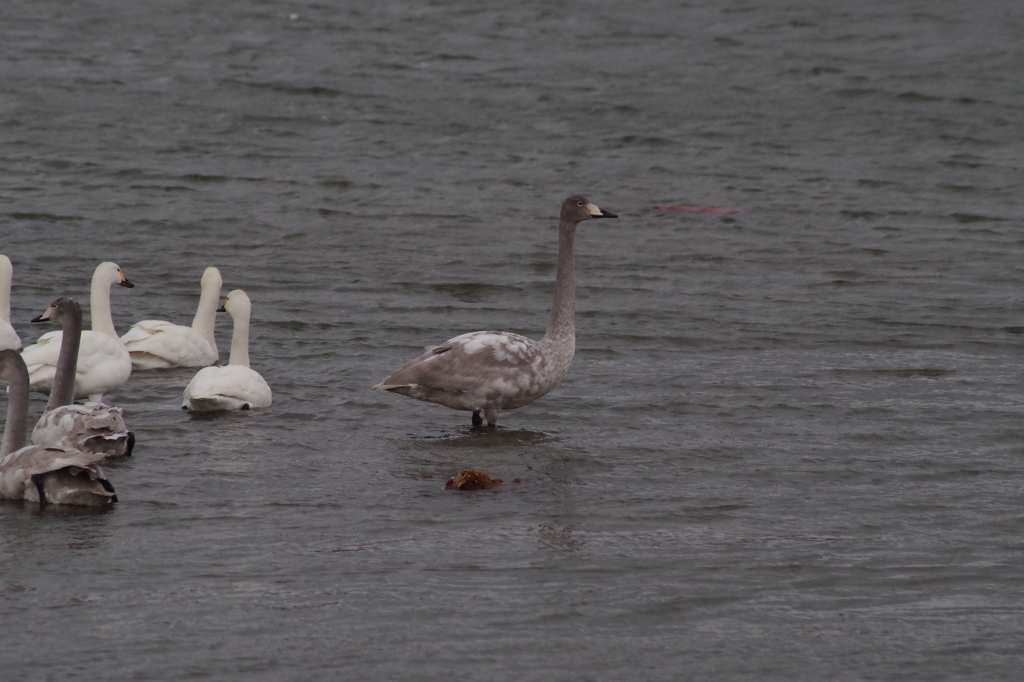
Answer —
24 525
559 539
508 454
483 437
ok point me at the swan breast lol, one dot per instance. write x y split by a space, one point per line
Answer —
8 337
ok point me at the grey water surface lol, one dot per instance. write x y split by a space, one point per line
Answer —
790 445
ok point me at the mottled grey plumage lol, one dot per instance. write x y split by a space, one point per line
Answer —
34 473
487 372
93 427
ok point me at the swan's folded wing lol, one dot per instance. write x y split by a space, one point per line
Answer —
43 352
90 427
103 363
466 362
141 331
70 476
157 343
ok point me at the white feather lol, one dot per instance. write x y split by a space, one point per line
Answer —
8 337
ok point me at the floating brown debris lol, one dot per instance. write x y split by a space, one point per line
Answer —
473 480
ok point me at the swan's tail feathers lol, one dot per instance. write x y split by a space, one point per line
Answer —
389 387
214 403
76 485
144 360
204 404
112 445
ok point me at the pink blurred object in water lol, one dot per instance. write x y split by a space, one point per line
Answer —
695 209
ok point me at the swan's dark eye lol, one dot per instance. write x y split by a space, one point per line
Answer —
579 203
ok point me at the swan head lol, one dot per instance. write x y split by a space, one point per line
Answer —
211 279
578 208
235 304
62 310
110 273
12 364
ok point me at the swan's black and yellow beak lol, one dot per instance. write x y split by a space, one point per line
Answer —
596 212
47 315
124 281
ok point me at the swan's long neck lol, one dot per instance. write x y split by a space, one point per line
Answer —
240 340
63 391
17 406
562 324
5 288
99 305
206 314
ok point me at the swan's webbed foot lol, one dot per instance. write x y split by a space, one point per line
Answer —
129 444
477 419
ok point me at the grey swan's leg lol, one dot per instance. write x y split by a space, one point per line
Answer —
492 416
37 479
477 419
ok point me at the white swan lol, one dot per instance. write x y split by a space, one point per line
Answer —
46 475
493 371
156 344
103 362
8 337
93 427
234 386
